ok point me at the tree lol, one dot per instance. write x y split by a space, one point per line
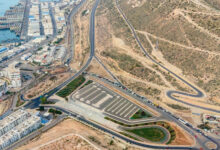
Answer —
41 108
43 100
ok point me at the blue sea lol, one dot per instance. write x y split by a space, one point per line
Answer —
5 5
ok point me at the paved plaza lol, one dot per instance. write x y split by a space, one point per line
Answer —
102 98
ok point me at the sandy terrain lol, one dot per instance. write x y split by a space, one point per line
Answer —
4 105
69 126
46 85
81 37
181 137
69 142
96 68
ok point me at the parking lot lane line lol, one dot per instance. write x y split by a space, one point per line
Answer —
118 106
92 93
116 101
99 94
77 95
99 97
89 87
125 105
110 104
81 99
135 109
123 113
87 92
107 90
85 89
102 101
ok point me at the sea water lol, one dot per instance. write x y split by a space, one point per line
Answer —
7 34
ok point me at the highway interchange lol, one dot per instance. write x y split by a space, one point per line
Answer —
201 139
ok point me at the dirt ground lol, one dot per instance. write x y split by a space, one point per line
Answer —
181 137
96 68
56 70
46 85
69 126
4 105
81 37
70 142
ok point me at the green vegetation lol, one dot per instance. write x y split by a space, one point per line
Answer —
54 111
40 48
87 83
84 12
41 108
73 85
172 134
208 22
58 41
205 126
171 79
53 78
153 134
118 25
134 67
111 142
140 114
19 102
175 106
145 42
196 65
159 123
92 138
214 3
45 101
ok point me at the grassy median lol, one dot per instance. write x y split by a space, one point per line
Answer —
140 114
73 85
153 134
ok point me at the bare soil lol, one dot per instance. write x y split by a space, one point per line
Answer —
69 126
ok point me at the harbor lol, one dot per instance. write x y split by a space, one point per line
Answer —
13 18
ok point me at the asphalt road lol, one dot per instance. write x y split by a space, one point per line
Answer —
202 138
36 102
35 133
70 30
167 116
115 134
172 92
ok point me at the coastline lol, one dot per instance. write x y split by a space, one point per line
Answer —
7 35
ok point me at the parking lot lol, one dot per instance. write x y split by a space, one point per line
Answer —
104 99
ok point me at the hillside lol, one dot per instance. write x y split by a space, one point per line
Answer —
214 3
186 34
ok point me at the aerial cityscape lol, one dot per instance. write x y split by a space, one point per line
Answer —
109 74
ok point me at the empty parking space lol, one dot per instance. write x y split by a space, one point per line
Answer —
102 98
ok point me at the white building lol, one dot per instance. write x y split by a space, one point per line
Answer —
26 56
13 120
8 138
3 87
28 126
16 126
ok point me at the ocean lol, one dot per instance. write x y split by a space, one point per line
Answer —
6 34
